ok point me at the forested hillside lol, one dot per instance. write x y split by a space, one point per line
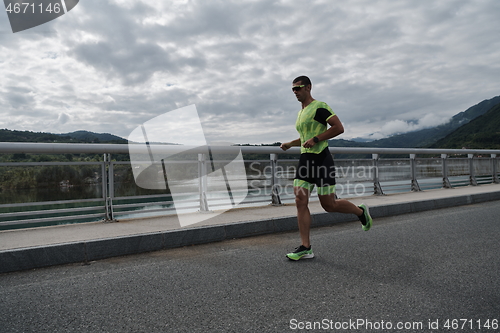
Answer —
73 137
481 133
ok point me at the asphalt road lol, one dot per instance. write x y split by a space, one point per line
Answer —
415 271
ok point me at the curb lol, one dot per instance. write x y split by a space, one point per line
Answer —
83 252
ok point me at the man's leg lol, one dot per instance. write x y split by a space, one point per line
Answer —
330 204
304 222
303 214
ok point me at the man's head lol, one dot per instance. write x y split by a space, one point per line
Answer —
301 87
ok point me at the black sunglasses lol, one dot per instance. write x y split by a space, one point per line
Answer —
297 88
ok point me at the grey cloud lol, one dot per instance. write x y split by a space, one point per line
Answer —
223 19
215 17
134 64
18 100
63 118
13 80
120 53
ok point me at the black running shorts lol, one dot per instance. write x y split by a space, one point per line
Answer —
316 170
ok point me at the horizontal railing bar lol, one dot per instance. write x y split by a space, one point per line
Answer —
131 212
52 211
47 163
122 162
256 201
395 185
145 196
51 219
44 203
160 162
75 148
147 204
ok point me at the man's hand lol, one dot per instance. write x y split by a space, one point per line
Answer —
288 145
309 143
285 146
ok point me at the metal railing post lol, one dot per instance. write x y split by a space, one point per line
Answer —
111 180
275 195
104 174
107 178
111 187
495 168
415 187
202 182
472 171
446 181
377 188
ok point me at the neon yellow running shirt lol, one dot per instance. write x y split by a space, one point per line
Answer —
312 121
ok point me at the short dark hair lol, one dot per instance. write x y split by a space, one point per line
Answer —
303 79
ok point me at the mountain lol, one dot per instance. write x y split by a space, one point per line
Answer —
428 136
27 136
86 136
74 137
481 133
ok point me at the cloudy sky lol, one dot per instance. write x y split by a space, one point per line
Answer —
383 66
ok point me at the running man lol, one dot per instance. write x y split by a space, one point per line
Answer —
316 166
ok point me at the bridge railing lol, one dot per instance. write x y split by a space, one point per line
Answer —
106 190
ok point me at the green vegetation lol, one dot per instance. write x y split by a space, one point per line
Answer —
26 136
481 133
428 136
74 137
47 176
50 176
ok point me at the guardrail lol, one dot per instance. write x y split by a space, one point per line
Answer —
268 180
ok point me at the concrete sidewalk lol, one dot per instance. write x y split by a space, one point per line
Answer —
46 246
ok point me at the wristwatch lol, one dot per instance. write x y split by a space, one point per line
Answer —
315 139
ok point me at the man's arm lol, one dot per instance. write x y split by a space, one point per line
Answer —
288 145
336 128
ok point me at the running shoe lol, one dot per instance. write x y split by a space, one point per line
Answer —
366 219
301 252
